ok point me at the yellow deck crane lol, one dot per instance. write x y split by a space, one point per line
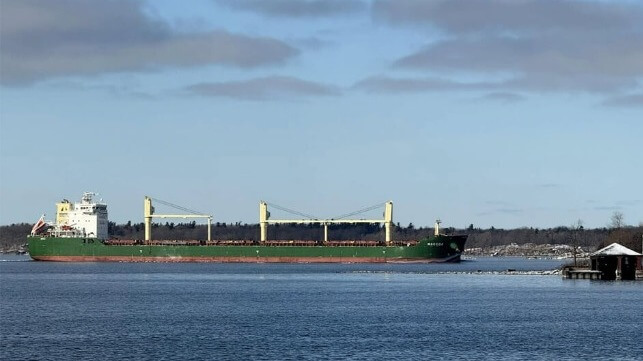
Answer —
264 219
149 214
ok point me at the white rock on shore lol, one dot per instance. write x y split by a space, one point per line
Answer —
559 251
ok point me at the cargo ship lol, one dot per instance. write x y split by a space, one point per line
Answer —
80 234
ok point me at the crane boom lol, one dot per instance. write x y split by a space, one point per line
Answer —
148 211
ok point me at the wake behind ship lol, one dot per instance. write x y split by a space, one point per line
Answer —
80 234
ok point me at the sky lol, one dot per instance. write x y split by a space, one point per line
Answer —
509 114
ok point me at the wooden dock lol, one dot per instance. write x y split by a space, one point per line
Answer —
577 274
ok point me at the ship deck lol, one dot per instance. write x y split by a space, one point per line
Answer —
274 243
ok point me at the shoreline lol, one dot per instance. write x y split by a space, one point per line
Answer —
529 250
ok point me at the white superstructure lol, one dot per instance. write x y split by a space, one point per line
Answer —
84 219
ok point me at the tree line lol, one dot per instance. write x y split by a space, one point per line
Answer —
13 236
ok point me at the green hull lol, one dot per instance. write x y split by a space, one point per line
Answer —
433 249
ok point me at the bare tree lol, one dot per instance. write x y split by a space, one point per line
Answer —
577 227
616 221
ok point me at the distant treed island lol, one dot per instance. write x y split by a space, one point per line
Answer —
13 237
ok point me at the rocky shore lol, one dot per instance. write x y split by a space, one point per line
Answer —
529 250
15 249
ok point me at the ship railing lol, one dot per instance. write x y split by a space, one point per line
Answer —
231 242
292 243
173 242
122 242
357 243
271 243
66 233
405 243
130 242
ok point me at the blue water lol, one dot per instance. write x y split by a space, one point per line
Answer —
63 311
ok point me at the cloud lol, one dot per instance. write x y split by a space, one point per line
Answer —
312 43
545 45
296 8
119 90
265 88
473 16
630 202
47 39
506 97
632 100
385 84
619 205
545 63
608 208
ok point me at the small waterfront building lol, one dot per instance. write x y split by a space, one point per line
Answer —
616 262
